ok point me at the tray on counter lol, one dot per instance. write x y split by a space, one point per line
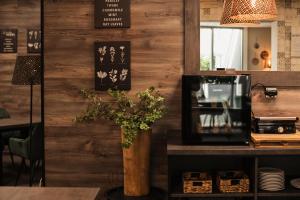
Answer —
276 140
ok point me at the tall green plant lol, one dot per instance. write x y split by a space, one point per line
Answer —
132 117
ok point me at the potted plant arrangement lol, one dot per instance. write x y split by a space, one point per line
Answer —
135 119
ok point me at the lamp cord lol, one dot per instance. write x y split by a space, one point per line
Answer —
257 85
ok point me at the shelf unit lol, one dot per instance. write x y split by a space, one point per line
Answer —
214 195
178 193
183 158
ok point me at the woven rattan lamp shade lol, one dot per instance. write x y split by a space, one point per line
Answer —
226 19
253 9
27 71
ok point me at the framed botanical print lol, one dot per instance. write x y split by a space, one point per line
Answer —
112 65
34 41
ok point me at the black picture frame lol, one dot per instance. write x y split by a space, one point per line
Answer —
34 41
112 65
112 14
8 40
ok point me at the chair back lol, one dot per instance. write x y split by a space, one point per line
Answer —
4 114
36 142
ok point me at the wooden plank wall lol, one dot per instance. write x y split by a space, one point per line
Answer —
19 15
90 155
286 104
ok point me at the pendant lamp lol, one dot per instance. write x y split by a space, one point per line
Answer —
226 19
253 9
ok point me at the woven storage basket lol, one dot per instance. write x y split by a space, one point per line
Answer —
197 182
233 181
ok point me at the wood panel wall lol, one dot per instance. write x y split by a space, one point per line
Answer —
287 103
19 15
90 154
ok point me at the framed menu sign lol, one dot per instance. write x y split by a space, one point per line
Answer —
112 13
8 41
112 65
34 41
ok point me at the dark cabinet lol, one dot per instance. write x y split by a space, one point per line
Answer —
211 159
216 109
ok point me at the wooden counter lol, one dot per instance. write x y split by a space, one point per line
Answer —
26 193
175 147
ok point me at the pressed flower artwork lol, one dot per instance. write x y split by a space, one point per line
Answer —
112 65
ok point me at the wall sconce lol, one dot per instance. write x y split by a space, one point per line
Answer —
269 65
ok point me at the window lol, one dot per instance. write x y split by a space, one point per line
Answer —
221 48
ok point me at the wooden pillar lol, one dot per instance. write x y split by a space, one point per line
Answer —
192 36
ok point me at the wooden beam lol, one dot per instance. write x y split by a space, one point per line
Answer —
274 78
192 36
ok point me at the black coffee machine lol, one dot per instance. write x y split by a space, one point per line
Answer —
216 110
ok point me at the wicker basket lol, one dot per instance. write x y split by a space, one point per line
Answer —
197 183
233 181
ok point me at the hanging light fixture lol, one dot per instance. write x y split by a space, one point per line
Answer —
226 19
253 9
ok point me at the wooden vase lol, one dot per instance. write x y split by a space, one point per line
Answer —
136 162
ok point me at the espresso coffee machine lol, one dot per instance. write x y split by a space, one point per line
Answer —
216 109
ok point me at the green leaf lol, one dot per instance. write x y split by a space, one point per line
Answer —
131 116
